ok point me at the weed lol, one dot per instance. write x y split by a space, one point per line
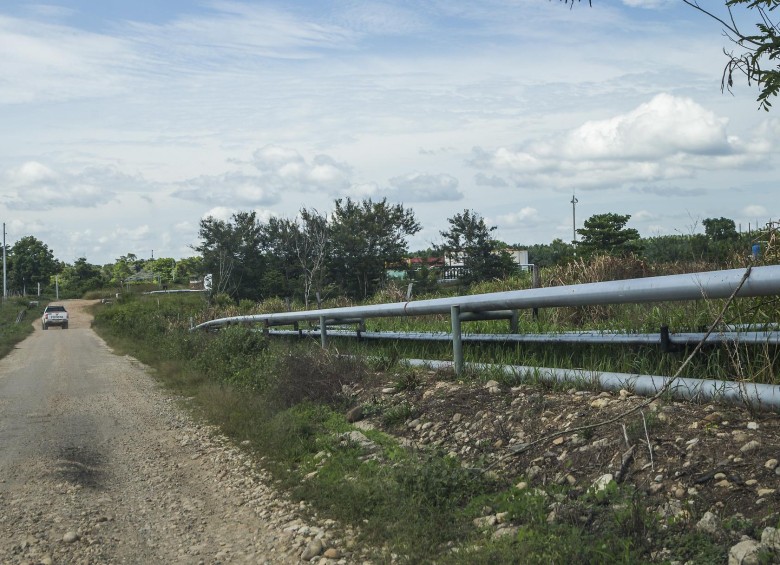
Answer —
398 414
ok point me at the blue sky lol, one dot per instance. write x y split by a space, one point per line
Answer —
125 123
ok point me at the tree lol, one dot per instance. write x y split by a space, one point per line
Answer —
365 237
554 253
32 262
483 257
231 252
758 57
312 242
186 268
606 233
720 229
76 279
162 267
126 266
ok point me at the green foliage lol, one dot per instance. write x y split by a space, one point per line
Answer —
81 277
366 237
606 233
468 239
760 50
230 253
12 333
235 355
556 253
30 262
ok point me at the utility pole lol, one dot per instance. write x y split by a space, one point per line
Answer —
574 218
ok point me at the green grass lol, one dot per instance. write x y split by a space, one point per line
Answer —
12 333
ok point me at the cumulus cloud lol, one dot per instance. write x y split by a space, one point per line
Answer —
37 186
666 138
285 169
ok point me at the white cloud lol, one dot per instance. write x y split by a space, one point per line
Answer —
284 169
52 62
220 213
644 216
666 138
36 186
754 211
526 216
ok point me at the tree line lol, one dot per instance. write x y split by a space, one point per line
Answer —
351 251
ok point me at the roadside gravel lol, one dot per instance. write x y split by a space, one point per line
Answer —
99 465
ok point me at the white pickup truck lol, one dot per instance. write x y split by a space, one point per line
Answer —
55 315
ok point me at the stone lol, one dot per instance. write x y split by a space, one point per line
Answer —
533 472
485 521
457 417
723 484
332 553
770 537
71 537
502 517
558 441
602 482
752 445
709 524
600 402
771 464
765 492
714 418
752 426
522 485
506 531
313 549
492 384
745 552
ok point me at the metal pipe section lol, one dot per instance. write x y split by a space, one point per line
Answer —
744 338
752 395
763 281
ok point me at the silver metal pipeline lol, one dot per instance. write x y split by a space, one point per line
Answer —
753 395
743 338
763 281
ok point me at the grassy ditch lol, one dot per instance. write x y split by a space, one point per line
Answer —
289 401
12 332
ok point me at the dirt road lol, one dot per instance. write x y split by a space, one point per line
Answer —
98 465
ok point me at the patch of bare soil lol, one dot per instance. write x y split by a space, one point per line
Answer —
687 459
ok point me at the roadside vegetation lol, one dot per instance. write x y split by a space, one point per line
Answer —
11 330
290 401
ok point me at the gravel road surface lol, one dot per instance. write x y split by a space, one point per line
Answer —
99 465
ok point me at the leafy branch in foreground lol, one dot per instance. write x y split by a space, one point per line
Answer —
760 50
